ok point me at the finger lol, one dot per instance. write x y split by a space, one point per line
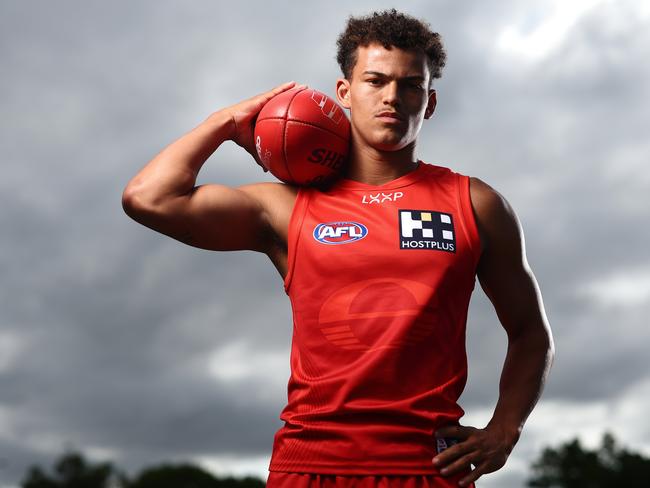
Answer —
459 465
284 86
479 471
279 89
457 431
452 453
261 99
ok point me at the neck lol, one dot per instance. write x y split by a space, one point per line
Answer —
374 167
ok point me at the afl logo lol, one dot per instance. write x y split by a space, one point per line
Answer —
339 232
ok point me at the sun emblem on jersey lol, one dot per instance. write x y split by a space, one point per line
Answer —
354 318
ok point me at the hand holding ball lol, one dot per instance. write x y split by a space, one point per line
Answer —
302 136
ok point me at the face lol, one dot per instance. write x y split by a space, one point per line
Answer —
388 96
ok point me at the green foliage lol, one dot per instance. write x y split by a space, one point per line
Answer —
572 466
188 476
73 471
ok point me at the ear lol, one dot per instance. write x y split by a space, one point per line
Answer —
343 92
431 104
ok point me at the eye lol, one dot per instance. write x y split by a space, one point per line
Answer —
374 81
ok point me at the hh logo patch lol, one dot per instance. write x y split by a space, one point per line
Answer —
426 229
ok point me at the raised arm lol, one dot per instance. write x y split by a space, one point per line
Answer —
510 285
163 195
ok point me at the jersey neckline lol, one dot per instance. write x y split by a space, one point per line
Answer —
403 180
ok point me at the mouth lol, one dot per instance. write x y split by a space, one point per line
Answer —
394 115
390 118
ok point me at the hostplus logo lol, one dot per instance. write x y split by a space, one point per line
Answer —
426 229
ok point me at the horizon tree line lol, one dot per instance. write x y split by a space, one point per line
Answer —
569 465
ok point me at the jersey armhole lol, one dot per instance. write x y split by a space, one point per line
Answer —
295 224
468 220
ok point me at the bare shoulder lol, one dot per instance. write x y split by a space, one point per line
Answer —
269 191
277 201
486 200
496 219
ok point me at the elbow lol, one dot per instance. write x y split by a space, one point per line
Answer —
546 343
550 348
133 202
542 338
546 339
536 338
129 201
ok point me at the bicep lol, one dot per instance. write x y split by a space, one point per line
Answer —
503 270
215 217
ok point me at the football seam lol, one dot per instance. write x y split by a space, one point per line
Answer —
303 122
284 135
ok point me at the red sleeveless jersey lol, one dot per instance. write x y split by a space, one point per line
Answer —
379 279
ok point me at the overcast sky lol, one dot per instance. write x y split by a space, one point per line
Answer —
138 349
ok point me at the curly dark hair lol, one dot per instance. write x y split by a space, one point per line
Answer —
389 28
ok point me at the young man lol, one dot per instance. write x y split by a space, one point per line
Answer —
378 354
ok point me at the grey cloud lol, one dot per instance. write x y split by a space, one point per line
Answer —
118 323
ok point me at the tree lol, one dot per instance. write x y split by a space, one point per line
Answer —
72 471
572 466
188 476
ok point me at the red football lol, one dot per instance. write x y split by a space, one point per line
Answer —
302 136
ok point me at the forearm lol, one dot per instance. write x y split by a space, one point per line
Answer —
526 367
174 170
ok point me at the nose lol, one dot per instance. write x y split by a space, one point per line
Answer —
391 93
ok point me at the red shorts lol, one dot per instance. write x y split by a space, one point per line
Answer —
278 479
